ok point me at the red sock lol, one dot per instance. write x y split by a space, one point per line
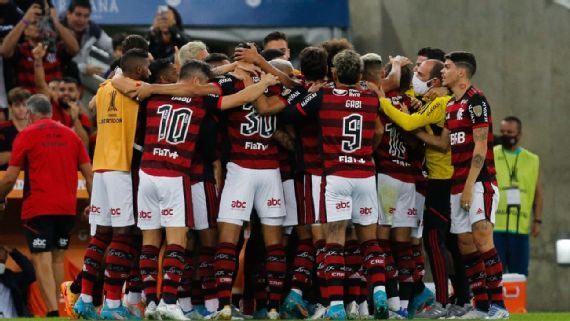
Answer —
405 261
419 271
321 251
334 271
276 270
374 263
118 262
185 289
475 271
224 265
303 265
494 272
149 272
93 261
172 268
353 262
206 272
134 283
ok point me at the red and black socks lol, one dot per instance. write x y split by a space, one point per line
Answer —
303 265
172 268
334 272
406 266
118 266
419 271
353 262
224 266
149 272
276 270
320 253
92 263
475 270
494 280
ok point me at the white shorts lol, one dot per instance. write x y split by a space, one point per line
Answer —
205 204
112 199
247 188
418 231
351 198
397 201
484 205
164 202
292 215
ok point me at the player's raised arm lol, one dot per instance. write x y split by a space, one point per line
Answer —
251 55
440 142
248 94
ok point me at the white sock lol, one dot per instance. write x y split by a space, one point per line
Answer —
185 304
134 298
336 303
297 291
379 288
86 298
212 305
113 304
404 303
394 303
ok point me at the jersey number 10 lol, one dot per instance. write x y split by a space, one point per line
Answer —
174 125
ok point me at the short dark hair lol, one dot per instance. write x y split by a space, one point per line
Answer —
177 17
118 39
79 3
157 68
515 120
270 54
465 60
216 57
313 63
334 46
432 53
18 95
348 66
135 42
193 67
405 76
131 58
275 35
70 80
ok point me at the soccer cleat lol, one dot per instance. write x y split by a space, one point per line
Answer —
236 314
136 309
363 312
352 311
473 314
497 312
336 312
171 312
198 312
150 312
86 310
69 298
434 311
320 311
403 313
380 305
420 301
394 316
294 306
456 311
260 314
273 314
120 313
224 314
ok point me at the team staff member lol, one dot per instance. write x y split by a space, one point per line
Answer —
518 176
431 117
474 193
112 202
50 154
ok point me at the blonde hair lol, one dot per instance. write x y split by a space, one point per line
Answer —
191 51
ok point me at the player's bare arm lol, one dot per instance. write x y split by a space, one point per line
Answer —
182 89
284 139
251 55
248 94
268 105
440 142
480 136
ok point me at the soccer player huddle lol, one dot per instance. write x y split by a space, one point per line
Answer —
337 173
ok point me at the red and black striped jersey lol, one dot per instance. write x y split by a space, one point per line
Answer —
300 112
463 116
25 65
392 157
249 134
206 153
172 128
348 119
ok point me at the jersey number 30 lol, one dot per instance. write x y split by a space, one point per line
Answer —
174 125
351 133
257 124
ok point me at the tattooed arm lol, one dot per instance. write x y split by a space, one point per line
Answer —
477 162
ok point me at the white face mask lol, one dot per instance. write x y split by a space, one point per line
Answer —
420 87
2 268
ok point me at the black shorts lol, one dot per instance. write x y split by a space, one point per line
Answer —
438 208
48 232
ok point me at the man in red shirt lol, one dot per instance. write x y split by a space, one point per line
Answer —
50 154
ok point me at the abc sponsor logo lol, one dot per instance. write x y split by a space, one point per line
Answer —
145 215
62 242
38 243
274 203
241 205
115 212
96 210
412 212
167 212
342 205
365 210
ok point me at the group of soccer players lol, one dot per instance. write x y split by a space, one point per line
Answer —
328 169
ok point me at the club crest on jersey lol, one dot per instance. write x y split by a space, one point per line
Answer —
478 110
285 92
460 114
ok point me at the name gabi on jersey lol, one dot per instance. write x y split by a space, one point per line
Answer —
351 160
256 146
165 152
